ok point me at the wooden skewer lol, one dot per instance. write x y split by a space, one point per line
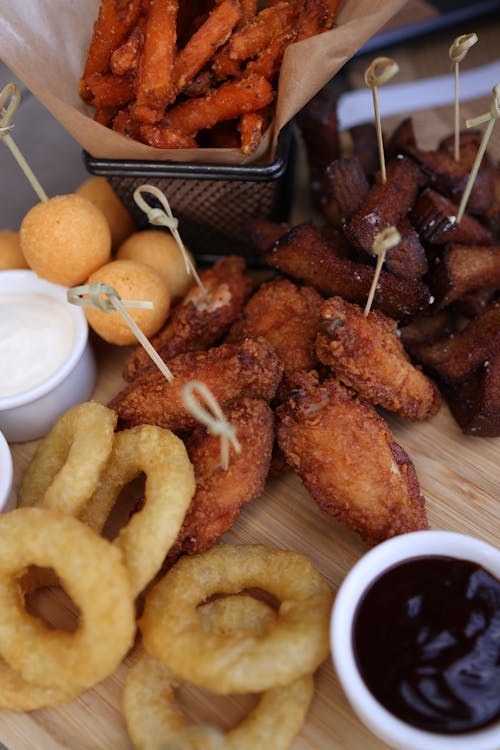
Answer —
165 218
13 91
458 50
490 117
214 420
381 70
384 240
107 299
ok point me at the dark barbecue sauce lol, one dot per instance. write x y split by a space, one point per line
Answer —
427 643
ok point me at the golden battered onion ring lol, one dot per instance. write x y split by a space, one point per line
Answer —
154 720
66 467
170 485
18 695
92 573
294 646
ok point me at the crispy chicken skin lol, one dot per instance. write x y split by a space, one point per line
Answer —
220 494
196 324
347 459
366 354
230 371
287 316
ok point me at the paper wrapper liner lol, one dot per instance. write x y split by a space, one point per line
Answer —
45 45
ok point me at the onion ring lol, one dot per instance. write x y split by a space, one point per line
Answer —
18 695
294 646
92 573
170 485
154 720
67 465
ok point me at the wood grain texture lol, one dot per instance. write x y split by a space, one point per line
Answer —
460 477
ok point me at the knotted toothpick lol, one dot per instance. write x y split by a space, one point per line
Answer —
13 91
458 51
214 420
381 70
384 241
108 300
490 117
164 217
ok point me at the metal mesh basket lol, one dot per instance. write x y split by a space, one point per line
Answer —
212 202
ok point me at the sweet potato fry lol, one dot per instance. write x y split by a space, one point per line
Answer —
385 205
462 269
124 123
254 37
268 62
201 46
155 70
248 10
162 136
230 100
251 126
125 58
105 116
108 90
311 19
305 255
200 85
434 218
115 21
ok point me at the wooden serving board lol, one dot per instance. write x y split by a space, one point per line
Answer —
459 476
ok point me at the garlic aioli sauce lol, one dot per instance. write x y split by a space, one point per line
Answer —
36 337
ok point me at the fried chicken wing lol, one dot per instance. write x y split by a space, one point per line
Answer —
366 354
230 371
348 460
287 316
196 324
220 495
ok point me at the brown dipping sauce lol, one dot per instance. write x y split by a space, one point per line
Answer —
426 639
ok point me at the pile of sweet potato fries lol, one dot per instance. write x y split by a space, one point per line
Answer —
179 74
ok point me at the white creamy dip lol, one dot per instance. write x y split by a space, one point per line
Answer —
36 336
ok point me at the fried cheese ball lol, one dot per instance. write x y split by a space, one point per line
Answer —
65 239
132 281
160 251
99 192
11 255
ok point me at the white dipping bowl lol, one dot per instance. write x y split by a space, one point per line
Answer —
30 414
6 472
395 732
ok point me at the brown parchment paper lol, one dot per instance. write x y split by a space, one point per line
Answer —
45 42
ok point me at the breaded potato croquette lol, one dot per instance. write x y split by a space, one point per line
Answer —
348 460
196 324
366 354
99 192
65 239
287 316
220 495
11 255
133 281
230 371
159 250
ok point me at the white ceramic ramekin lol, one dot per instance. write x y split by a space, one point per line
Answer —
5 472
30 415
396 733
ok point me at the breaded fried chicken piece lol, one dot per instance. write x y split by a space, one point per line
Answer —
220 494
366 354
346 456
230 371
287 316
195 323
